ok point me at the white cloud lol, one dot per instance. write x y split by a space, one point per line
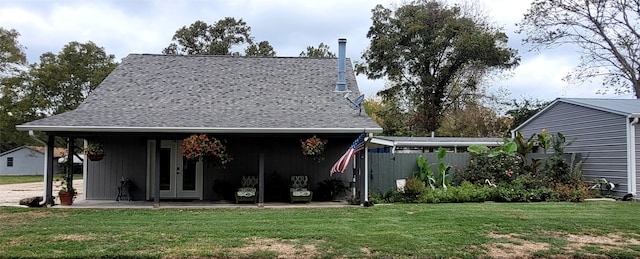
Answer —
124 27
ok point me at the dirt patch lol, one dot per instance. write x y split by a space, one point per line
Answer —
511 246
22 218
612 241
74 237
284 248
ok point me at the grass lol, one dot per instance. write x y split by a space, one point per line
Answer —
12 179
399 231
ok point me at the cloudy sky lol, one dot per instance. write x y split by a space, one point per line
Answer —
146 26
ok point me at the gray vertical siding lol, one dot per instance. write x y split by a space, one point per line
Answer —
125 157
599 136
387 167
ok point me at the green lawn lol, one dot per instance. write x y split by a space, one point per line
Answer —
400 230
11 179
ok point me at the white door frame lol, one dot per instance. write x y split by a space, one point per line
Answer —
176 164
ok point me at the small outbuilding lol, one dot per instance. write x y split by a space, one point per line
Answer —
603 131
26 160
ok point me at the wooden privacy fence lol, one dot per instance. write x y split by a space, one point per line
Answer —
385 168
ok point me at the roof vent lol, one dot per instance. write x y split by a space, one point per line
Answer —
341 85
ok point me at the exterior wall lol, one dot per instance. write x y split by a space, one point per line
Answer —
282 159
125 157
25 162
600 137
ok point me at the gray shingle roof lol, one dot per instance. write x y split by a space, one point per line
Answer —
618 106
159 93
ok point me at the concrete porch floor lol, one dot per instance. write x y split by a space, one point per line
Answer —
195 204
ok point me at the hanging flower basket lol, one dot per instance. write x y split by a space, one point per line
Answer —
198 147
313 147
94 151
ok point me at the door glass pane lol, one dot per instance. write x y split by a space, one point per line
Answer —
165 169
188 174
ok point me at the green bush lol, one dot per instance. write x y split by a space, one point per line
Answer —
413 189
466 192
499 168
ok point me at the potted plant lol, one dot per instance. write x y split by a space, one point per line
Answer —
67 193
94 151
313 147
330 189
198 147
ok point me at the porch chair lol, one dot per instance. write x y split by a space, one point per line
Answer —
299 190
247 190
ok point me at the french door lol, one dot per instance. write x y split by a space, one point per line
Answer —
179 177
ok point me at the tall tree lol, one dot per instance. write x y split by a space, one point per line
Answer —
13 64
521 110
606 32
424 48
262 49
60 82
216 39
322 51
12 55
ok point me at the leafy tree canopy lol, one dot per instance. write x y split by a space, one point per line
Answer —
262 49
215 39
322 51
11 52
425 48
60 82
606 33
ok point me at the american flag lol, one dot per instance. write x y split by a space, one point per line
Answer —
343 162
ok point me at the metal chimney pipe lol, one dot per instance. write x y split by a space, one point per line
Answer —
341 85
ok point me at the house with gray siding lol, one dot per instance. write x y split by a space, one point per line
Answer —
26 160
261 106
604 131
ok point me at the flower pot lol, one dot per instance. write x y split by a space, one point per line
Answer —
66 198
95 157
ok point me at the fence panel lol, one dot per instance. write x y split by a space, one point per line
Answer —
386 168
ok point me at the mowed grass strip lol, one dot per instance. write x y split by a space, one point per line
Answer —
12 179
398 230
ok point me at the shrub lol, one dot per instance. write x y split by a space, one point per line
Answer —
499 168
413 189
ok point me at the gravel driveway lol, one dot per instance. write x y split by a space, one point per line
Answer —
11 194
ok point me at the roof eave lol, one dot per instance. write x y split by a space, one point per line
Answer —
193 129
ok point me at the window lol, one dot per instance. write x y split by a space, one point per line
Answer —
9 161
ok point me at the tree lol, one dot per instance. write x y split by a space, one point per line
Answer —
13 64
474 120
424 49
322 51
524 109
60 82
388 115
216 39
607 34
262 49
12 55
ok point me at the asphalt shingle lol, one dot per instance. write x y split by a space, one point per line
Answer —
156 91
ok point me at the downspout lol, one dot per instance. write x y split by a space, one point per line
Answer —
45 174
631 156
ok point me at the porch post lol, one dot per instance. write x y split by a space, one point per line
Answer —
48 174
366 172
156 176
71 146
261 179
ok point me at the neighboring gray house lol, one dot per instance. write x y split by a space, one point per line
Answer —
25 160
261 106
604 131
